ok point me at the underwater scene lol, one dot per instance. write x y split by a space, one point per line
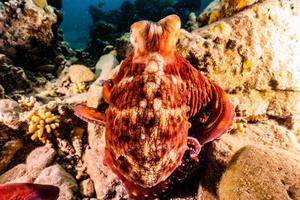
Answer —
149 99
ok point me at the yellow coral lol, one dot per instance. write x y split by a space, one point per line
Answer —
213 16
297 133
40 3
79 88
42 125
51 93
238 128
27 103
247 64
222 28
241 4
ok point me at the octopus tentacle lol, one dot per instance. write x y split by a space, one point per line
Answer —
90 115
190 161
28 191
211 112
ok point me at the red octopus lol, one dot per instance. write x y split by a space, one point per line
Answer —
160 109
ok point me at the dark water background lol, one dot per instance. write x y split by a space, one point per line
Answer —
77 20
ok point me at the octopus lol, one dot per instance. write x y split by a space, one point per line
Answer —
28 191
161 111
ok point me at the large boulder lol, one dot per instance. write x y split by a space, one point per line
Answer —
261 173
57 176
250 49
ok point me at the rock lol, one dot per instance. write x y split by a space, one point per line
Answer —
261 173
106 63
266 134
12 174
9 113
87 188
105 182
123 46
57 176
250 51
14 79
244 50
8 152
94 99
80 73
282 106
27 178
219 152
19 19
2 92
77 99
39 159
220 9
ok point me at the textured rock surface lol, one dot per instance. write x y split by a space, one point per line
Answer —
261 173
39 159
256 48
28 23
9 110
8 152
106 63
80 74
87 188
12 174
56 175
94 99
251 52
107 185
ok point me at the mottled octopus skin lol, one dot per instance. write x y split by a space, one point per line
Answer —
28 191
153 98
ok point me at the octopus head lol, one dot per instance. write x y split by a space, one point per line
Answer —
161 36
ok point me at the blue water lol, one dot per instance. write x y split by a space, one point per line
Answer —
77 20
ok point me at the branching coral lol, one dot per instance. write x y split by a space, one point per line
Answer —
42 125
27 103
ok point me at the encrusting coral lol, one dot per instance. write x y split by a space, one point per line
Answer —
79 88
42 125
40 3
27 103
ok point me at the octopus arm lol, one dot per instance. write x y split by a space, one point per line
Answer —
211 112
90 115
28 191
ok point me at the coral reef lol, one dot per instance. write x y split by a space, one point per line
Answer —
108 26
43 125
249 47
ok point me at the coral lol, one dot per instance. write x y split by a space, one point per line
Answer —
297 134
42 125
50 93
213 17
241 4
27 17
105 23
77 140
40 3
247 64
66 148
79 88
27 103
